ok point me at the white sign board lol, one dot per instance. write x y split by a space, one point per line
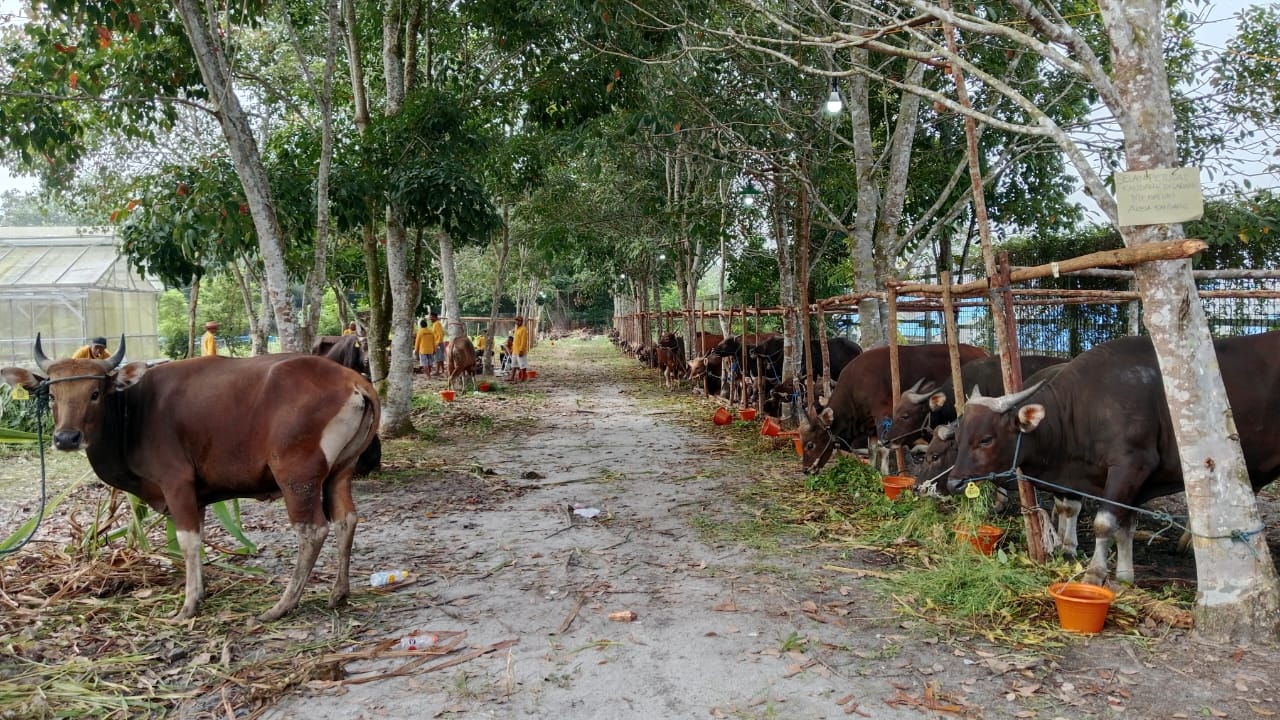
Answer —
1159 197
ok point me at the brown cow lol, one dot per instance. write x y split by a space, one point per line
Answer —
184 435
863 397
462 361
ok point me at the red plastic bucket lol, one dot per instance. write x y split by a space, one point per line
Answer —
983 538
747 414
1081 607
770 428
722 417
895 484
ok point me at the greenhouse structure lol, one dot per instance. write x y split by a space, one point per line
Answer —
70 284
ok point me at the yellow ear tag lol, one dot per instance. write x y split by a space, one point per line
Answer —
972 491
20 393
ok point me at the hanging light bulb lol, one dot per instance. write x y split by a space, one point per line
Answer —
834 104
749 193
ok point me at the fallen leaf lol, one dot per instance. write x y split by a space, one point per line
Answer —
844 700
726 606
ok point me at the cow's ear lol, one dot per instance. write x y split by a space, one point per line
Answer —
1029 417
16 376
827 416
130 374
937 400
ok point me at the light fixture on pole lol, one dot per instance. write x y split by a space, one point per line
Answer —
834 103
749 193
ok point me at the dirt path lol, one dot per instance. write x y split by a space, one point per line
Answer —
717 633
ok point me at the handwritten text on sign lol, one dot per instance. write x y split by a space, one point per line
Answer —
1159 197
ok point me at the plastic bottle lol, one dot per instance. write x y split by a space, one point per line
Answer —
387 577
417 642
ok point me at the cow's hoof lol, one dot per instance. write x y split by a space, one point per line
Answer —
273 614
337 600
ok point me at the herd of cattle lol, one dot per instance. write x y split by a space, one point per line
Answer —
1096 425
187 434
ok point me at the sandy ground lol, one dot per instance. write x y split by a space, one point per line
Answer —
482 515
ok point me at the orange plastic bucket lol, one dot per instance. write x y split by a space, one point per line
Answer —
1081 607
799 447
983 538
747 414
722 417
895 484
484 387
531 374
770 428
447 395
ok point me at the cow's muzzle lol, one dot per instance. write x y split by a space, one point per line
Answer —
67 439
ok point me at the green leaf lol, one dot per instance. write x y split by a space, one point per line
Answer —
8 435
229 518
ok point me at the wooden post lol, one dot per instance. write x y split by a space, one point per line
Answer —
1013 383
811 401
953 339
979 198
742 367
895 375
759 372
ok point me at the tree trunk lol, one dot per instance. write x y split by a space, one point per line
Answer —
192 305
1238 597
398 402
862 239
210 57
502 251
246 295
379 321
453 325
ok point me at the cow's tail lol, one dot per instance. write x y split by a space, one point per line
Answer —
370 458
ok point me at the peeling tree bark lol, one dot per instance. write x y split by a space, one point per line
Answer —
1238 598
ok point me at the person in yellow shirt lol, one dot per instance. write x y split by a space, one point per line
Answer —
437 329
519 349
95 350
209 343
350 329
424 346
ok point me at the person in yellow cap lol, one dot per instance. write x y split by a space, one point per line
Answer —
350 329
95 350
519 349
209 343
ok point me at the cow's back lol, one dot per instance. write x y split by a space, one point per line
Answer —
864 390
225 417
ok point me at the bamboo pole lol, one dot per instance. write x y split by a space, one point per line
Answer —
953 340
1163 250
1013 383
759 370
895 373
826 362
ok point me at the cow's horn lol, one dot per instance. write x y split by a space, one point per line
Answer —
112 362
916 395
41 361
1006 403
